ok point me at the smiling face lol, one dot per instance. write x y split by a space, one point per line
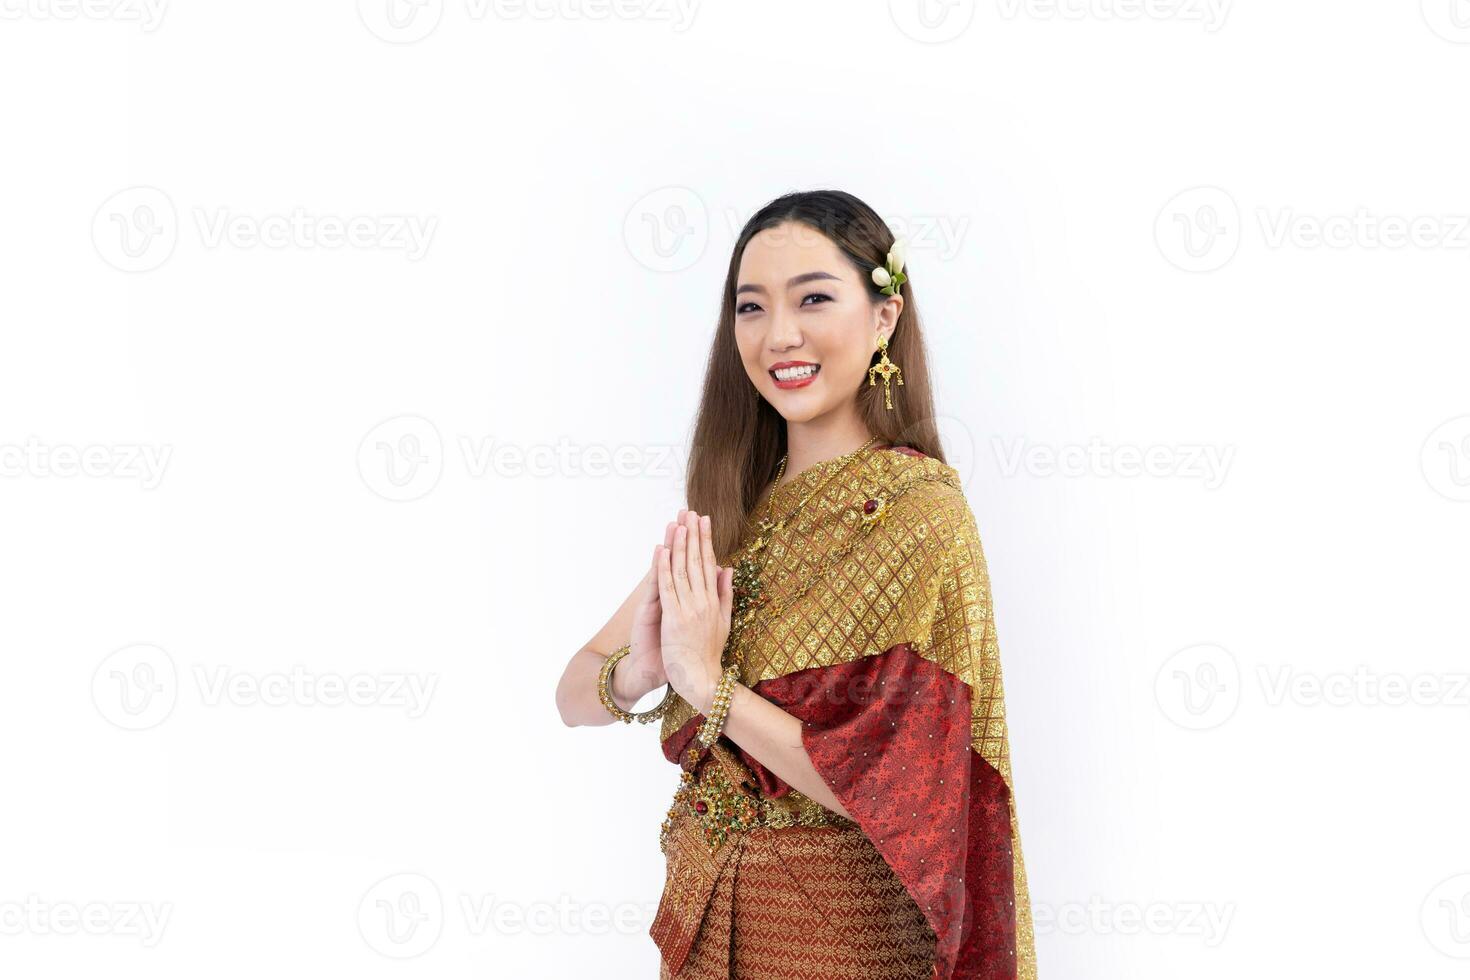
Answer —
806 322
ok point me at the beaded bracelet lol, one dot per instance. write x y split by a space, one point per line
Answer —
709 732
604 693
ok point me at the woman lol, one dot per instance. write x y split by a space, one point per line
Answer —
822 617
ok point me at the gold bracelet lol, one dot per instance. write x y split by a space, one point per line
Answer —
709 732
604 693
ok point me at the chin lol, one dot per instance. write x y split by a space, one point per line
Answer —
794 406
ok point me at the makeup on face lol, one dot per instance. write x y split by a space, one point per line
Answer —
793 374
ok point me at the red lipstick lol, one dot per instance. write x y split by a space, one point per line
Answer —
799 380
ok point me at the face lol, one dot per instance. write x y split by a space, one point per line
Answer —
806 322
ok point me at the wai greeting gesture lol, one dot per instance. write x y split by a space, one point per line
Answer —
696 596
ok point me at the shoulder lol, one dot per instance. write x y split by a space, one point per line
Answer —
925 499
907 451
909 473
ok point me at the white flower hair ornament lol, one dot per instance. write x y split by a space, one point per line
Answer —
889 276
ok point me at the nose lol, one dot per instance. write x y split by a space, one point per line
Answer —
785 333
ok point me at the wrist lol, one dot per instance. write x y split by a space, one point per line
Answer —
716 710
704 696
731 694
695 683
709 687
622 685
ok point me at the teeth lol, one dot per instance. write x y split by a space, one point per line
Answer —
795 373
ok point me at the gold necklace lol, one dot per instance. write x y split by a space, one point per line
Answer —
767 527
749 593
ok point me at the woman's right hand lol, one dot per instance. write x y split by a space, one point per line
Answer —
642 670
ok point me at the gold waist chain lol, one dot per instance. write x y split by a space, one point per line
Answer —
722 795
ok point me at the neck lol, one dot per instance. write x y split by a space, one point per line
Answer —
811 442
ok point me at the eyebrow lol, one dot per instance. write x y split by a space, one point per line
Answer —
750 287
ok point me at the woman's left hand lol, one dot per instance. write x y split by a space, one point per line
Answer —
696 597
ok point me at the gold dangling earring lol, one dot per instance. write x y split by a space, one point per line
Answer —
886 368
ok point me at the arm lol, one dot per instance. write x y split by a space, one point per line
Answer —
773 737
576 694
635 623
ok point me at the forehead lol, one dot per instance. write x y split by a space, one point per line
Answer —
788 248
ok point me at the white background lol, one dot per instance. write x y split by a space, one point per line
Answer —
1187 230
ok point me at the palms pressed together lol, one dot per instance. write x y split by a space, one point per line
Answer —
682 618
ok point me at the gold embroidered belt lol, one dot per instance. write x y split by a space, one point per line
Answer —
722 796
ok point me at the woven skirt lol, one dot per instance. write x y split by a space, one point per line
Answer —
807 903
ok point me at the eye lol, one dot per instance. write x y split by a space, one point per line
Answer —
820 296
744 307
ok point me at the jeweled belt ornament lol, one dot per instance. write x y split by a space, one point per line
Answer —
724 807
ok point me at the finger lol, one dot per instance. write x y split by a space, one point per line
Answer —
709 572
669 534
697 571
727 593
679 565
666 594
694 561
711 567
650 581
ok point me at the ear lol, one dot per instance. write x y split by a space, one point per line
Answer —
887 318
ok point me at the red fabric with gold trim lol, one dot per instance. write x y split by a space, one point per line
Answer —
890 734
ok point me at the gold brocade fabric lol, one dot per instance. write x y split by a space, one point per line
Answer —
837 587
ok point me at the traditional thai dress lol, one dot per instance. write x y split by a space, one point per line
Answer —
872 624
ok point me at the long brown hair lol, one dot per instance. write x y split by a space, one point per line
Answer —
738 437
